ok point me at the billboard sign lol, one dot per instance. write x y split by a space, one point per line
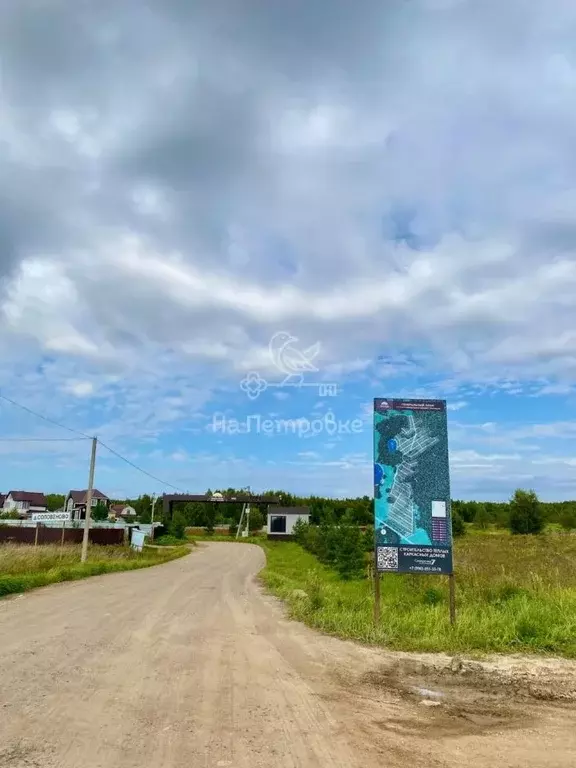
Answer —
51 517
412 486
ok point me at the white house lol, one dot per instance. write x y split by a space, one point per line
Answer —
281 520
24 502
121 510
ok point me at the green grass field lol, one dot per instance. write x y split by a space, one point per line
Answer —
514 594
23 567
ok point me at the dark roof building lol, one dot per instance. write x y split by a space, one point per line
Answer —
33 498
79 497
273 510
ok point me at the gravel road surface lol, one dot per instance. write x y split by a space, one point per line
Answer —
190 664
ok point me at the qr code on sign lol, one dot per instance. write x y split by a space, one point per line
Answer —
387 558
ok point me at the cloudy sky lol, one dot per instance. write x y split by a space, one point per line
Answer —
180 181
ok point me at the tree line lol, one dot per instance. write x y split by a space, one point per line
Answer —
357 511
523 504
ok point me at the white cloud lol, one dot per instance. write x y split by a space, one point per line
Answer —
79 388
456 405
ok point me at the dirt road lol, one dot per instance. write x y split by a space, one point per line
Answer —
190 664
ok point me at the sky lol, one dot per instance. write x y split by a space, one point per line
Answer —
391 185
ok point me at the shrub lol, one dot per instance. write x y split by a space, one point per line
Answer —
100 511
482 517
349 552
525 513
368 538
177 527
256 520
301 532
458 525
568 519
168 541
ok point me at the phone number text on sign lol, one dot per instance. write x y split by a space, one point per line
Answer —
414 559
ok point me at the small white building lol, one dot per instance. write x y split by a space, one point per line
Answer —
281 520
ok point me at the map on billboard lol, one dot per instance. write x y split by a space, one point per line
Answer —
412 486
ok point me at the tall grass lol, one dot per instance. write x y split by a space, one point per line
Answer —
23 567
514 594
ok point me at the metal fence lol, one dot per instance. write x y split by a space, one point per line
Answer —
49 535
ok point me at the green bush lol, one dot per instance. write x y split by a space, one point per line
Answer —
349 552
177 527
100 511
458 525
568 519
169 541
341 546
526 513
256 520
301 531
482 517
368 538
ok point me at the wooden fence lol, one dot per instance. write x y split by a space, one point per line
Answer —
51 535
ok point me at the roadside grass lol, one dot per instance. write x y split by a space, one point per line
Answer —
257 538
169 541
515 594
23 567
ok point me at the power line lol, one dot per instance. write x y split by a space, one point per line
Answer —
135 466
44 418
82 435
42 439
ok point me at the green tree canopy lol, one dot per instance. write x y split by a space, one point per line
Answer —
525 513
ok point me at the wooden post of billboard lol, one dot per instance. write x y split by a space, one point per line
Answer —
376 591
36 536
452 586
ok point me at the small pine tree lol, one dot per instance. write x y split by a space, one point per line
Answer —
525 513
256 520
350 552
482 518
468 511
210 520
458 525
177 527
300 532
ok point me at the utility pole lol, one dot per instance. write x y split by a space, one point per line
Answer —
154 500
89 501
